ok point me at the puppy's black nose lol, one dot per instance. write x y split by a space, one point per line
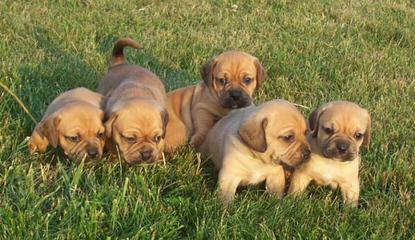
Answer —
342 146
146 154
92 153
235 94
306 154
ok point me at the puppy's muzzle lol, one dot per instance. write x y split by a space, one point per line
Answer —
93 152
339 148
235 98
146 155
306 154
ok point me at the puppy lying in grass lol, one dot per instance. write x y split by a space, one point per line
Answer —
338 129
251 145
137 117
74 122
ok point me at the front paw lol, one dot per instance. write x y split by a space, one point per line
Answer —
35 147
32 147
351 202
197 140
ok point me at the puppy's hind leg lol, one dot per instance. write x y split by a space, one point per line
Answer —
275 182
299 182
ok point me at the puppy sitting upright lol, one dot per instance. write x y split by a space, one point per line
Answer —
72 121
338 130
251 145
136 112
229 81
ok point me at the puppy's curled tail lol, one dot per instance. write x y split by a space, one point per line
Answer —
118 51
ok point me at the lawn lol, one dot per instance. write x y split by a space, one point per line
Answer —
314 52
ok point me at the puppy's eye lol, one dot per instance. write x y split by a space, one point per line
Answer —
358 136
130 140
74 139
222 81
101 135
288 138
247 80
157 138
329 131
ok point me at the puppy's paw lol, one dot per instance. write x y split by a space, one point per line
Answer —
275 189
32 147
37 145
197 140
226 199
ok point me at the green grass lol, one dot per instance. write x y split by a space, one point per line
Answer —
314 52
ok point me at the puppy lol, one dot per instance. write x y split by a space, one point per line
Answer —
72 121
229 81
251 145
338 129
137 117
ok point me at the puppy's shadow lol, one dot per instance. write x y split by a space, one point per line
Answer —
58 71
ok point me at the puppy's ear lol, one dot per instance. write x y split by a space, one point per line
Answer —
207 71
261 74
252 133
165 119
48 128
108 124
314 119
367 137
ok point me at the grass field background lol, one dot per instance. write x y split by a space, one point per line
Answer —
314 52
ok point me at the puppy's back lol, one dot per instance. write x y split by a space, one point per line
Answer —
223 134
121 72
75 96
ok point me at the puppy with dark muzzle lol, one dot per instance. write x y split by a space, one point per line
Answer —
253 144
229 81
137 117
338 129
73 121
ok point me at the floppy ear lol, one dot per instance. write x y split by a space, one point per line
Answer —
48 128
207 71
252 133
165 119
367 137
260 73
314 119
108 124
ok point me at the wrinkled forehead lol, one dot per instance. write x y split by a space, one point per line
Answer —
81 124
143 120
345 117
285 115
235 62
82 116
291 119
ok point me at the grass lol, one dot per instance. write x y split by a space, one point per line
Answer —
314 52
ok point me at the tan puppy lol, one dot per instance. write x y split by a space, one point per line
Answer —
251 145
338 130
229 81
72 121
136 112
